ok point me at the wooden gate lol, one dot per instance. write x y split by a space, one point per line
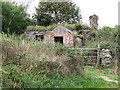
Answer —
90 56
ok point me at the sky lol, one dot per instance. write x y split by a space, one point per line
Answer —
107 10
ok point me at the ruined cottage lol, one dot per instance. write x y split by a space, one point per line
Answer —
59 34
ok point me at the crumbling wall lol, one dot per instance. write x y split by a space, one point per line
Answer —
105 58
30 34
94 21
78 42
35 35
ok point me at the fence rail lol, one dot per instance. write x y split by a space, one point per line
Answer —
84 48
92 55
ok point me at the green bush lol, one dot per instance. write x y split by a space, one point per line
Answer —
14 18
78 27
72 27
29 55
106 38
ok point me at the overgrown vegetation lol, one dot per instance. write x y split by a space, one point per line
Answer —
14 18
15 78
37 57
74 27
35 64
105 37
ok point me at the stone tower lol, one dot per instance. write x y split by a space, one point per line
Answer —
94 21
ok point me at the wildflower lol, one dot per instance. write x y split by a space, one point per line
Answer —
27 69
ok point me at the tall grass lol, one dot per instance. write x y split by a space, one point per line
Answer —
33 64
34 55
14 78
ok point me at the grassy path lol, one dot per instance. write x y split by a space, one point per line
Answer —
108 79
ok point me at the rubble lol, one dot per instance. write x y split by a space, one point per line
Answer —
105 58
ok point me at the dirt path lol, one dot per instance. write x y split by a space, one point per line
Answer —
108 79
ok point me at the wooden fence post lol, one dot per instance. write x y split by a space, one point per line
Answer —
98 56
81 52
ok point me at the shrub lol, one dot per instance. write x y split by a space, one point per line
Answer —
72 27
78 27
37 56
106 38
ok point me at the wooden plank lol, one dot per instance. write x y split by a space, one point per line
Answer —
89 56
89 52
84 48
83 51
98 56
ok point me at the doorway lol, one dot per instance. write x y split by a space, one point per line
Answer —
58 39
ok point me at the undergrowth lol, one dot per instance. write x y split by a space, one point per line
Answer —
51 27
33 64
29 58
15 78
105 37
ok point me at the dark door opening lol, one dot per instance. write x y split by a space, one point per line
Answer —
58 39
100 61
39 37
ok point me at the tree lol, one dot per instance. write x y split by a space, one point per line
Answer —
118 41
49 13
117 62
14 18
